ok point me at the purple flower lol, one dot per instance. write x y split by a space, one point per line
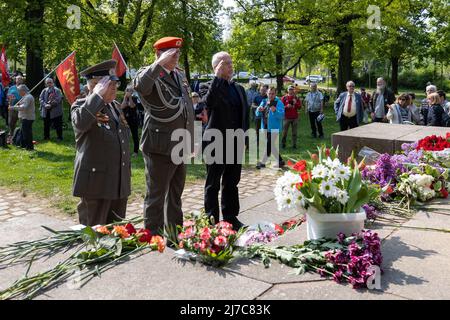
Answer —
386 171
341 237
371 212
337 276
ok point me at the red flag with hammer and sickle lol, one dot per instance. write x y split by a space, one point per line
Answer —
68 77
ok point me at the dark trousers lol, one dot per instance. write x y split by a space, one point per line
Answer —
293 123
315 126
92 212
57 124
229 175
257 127
348 123
134 127
4 112
378 120
165 184
27 134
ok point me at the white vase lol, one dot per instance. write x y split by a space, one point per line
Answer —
329 225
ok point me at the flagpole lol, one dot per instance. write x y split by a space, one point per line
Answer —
120 53
48 75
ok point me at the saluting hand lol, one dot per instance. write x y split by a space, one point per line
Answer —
218 70
166 56
101 88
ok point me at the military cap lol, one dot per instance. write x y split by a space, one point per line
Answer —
105 68
291 87
195 94
168 42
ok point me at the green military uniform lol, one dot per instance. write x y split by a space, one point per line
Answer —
168 107
102 163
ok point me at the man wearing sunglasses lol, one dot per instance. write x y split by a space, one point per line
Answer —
348 108
102 174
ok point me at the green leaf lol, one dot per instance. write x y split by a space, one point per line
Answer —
353 190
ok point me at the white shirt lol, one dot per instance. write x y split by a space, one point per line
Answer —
352 112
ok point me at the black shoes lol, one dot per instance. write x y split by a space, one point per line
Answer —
260 165
235 222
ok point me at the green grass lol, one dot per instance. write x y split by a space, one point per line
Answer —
47 172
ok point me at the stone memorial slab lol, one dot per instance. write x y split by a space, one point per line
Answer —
382 137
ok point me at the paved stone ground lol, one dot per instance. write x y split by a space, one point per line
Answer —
253 182
416 262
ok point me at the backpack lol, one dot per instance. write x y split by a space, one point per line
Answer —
17 137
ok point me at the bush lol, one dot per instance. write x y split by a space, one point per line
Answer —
418 80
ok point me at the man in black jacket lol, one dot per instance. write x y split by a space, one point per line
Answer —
227 106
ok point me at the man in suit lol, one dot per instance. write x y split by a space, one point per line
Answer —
165 94
102 174
348 108
227 106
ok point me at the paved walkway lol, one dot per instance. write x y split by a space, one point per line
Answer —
415 262
253 182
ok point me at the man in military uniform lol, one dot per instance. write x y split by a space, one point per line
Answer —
165 95
102 163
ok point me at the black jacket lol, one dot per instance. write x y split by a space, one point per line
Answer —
219 106
436 116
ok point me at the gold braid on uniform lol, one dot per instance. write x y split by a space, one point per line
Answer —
166 104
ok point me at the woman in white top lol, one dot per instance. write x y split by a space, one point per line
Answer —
399 113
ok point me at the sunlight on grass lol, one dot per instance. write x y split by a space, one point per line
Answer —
47 172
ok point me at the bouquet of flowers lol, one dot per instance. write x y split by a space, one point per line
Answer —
266 232
211 244
434 143
325 184
95 250
346 259
423 183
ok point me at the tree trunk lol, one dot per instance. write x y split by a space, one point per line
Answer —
147 26
394 74
345 61
34 14
187 38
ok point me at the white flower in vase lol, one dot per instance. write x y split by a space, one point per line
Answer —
327 188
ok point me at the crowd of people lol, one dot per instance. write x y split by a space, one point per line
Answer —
275 115
160 101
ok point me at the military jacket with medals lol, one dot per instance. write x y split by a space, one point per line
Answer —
168 107
102 162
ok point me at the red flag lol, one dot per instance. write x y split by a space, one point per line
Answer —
121 67
68 77
6 79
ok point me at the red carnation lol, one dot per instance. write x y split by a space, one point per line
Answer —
279 229
444 193
327 152
145 235
130 229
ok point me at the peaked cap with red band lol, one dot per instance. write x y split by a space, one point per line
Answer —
168 42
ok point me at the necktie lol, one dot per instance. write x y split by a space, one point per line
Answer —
113 111
349 106
174 78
